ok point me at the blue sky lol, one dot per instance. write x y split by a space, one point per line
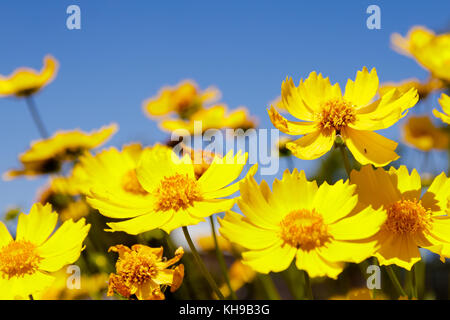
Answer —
127 50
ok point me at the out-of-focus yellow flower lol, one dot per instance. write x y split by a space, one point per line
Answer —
172 196
142 271
239 274
66 185
91 287
25 82
25 262
283 150
183 99
419 132
299 220
423 88
327 113
75 210
359 294
46 155
444 101
417 37
201 159
413 220
431 51
216 117
206 243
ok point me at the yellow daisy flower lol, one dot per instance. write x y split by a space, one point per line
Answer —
354 116
431 51
75 210
283 150
164 193
359 294
420 132
183 99
25 82
444 101
299 220
46 155
413 220
91 287
216 117
239 274
417 37
423 88
142 270
25 262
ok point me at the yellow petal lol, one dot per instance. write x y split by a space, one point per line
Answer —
294 191
410 186
203 209
5 236
37 225
237 230
222 171
254 205
374 187
361 225
290 127
316 266
316 90
275 258
437 196
142 223
312 145
361 91
228 191
181 218
335 201
369 147
292 101
64 246
348 251
401 250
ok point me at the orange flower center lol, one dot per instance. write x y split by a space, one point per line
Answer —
177 192
130 183
18 258
136 267
407 216
336 114
304 229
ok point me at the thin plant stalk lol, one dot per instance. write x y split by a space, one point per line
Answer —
269 286
395 281
344 154
36 117
201 265
221 260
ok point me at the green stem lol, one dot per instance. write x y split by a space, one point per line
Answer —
221 259
395 281
269 286
414 282
308 286
201 265
344 154
36 117
295 282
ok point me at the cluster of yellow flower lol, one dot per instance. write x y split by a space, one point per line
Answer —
318 228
